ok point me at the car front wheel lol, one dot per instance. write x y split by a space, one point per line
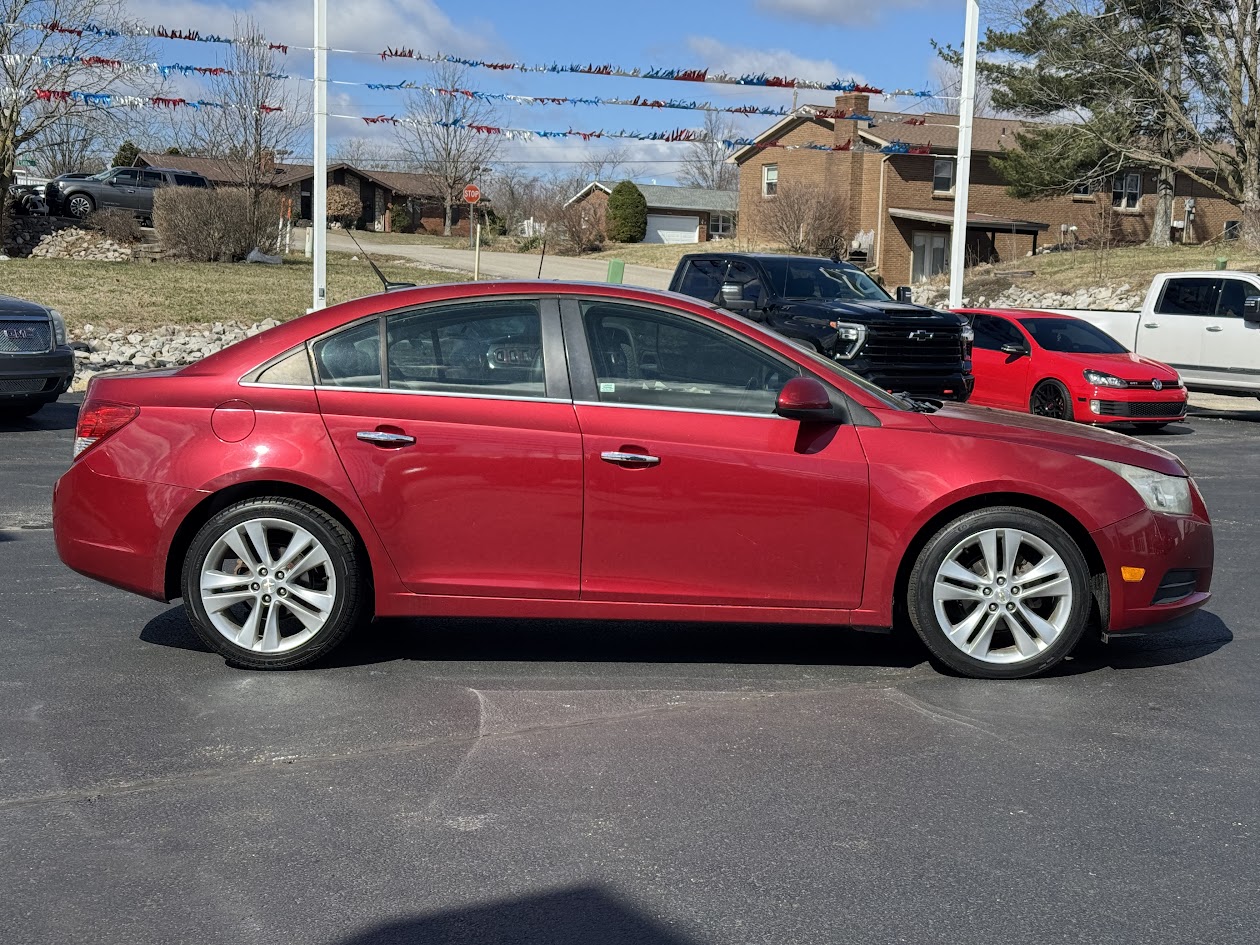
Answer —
80 205
1000 594
1051 399
273 583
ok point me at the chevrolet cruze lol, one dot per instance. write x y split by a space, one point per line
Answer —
542 449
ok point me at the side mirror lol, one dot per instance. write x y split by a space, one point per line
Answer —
1251 308
804 398
1017 350
732 295
904 294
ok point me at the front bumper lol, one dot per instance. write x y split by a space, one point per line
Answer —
1115 405
1175 553
43 377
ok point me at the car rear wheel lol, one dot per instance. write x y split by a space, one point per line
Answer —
273 583
1051 399
1000 594
80 205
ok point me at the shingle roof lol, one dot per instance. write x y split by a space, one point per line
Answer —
219 171
671 197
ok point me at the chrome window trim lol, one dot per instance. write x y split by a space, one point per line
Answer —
423 393
719 413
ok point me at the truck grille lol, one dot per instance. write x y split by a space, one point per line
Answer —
1142 408
23 337
922 347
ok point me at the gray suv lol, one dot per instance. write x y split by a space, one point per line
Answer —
126 188
36 363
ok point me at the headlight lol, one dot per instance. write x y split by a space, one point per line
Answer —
1099 379
852 337
1161 493
968 334
59 326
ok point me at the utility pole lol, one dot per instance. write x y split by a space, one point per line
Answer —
319 188
962 172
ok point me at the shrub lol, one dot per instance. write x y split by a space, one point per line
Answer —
204 225
344 205
117 224
627 214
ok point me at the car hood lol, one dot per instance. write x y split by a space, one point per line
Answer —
21 308
1060 435
882 314
1127 366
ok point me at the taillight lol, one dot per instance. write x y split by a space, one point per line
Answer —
98 420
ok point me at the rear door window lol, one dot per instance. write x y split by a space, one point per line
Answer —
1194 296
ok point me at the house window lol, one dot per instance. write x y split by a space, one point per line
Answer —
721 225
1126 191
943 176
769 180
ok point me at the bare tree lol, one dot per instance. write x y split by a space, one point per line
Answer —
262 118
613 164
805 219
370 153
947 77
518 195
706 164
441 138
72 143
57 62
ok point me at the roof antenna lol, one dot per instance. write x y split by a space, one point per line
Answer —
389 286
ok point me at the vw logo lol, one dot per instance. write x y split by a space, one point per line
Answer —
1157 384
921 335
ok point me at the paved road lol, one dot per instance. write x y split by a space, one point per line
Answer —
507 265
589 784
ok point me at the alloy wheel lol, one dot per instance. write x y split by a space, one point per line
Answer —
268 585
1002 595
80 206
1050 400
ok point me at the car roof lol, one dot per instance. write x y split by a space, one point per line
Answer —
174 170
765 256
1017 313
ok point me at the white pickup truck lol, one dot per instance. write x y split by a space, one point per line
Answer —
1205 324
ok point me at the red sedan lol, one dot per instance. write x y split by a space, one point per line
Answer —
1062 367
554 450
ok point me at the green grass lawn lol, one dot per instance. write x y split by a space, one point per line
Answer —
148 295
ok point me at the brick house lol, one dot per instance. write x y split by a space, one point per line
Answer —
675 214
382 192
901 205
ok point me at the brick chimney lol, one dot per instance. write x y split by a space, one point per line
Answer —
851 103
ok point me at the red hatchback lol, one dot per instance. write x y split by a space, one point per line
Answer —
1062 367
586 451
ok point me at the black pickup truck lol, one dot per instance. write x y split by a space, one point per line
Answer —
841 312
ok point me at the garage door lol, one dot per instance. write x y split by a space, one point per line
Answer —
667 229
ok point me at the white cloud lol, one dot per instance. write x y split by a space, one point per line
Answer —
740 60
848 12
353 24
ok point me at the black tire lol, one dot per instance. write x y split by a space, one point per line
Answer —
1051 399
996 661
80 206
19 410
342 580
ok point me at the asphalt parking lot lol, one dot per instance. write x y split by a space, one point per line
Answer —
496 781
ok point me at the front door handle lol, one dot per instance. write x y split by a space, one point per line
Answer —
1151 325
382 438
630 459
1215 328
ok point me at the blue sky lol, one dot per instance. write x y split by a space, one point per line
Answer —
883 44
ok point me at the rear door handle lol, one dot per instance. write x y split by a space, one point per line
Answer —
381 438
1215 328
630 459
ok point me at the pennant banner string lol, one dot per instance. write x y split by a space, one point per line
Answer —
108 100
141 30
134 68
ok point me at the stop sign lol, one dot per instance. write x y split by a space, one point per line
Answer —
472 193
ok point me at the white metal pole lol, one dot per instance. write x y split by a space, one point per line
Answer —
962 173
319 188
477 253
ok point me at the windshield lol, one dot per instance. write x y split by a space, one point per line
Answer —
1071 336
819 279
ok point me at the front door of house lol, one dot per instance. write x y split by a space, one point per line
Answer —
931 255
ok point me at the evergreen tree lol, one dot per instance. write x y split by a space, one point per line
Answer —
627 214
126 156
